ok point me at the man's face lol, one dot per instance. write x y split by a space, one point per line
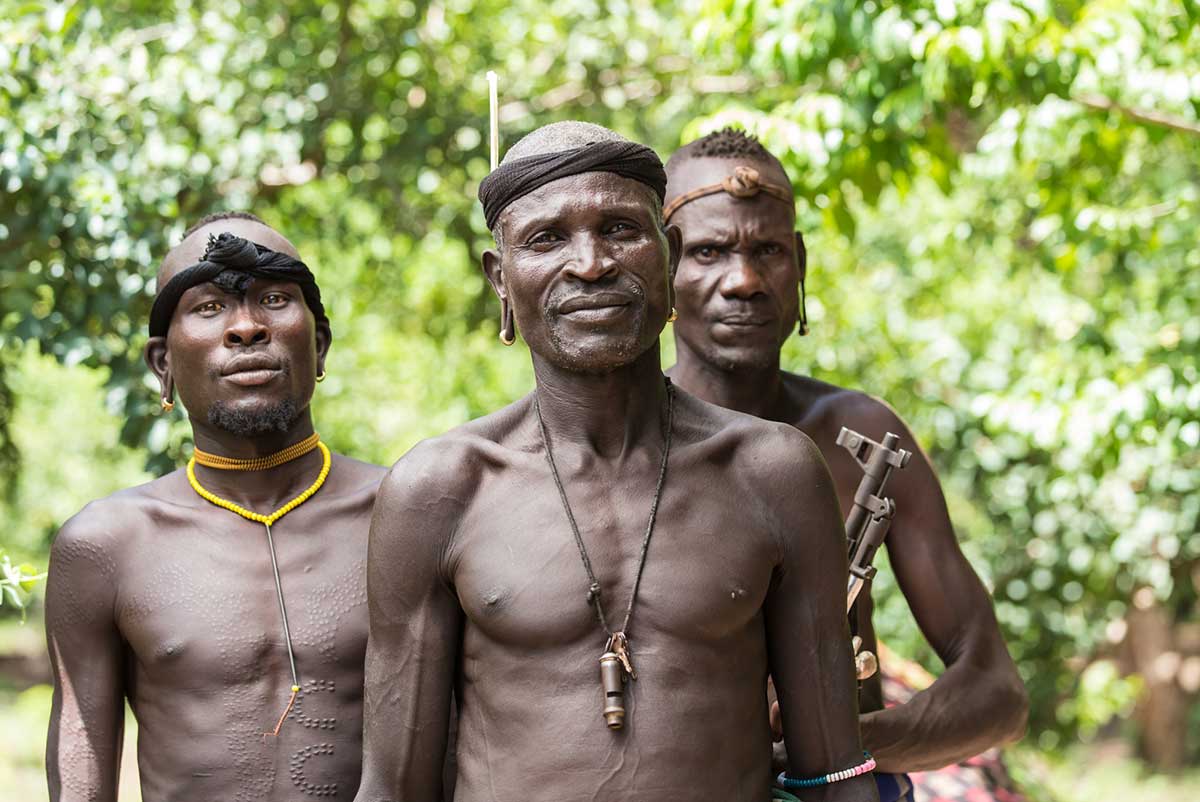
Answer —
244 361
737 288
586 268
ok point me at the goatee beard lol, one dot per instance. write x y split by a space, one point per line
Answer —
254 423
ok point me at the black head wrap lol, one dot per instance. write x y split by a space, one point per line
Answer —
231 263
521 176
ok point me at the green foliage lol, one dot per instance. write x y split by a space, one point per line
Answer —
1000 200
17 583
1004 205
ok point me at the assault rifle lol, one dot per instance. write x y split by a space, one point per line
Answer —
868 522
871 516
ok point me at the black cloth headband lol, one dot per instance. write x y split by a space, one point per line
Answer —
235 261
521 176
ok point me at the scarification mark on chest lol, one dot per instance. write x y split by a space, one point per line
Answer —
326 607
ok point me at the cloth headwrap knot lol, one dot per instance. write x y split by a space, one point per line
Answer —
518 178
231 262
746 182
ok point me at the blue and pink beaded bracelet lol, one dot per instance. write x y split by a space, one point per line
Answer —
827 779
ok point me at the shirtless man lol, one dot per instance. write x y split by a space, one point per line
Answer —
737 297
165 599
476 581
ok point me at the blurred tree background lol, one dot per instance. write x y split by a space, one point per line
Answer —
1001 200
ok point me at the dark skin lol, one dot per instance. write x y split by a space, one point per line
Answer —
501 619
738 300
157 597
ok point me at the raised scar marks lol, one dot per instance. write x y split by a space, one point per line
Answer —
306 689
296 770
326 607
77 609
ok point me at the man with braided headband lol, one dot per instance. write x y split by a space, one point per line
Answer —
226 602
603 572
737 296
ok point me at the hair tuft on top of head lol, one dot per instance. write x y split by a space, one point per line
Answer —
727 143
217 217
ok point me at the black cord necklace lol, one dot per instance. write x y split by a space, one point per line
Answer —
616 662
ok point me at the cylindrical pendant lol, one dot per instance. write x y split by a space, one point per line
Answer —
612 678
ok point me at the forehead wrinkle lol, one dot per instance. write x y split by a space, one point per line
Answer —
725 218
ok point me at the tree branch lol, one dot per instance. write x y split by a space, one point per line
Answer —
1149 117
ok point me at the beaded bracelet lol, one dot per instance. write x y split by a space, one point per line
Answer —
827 779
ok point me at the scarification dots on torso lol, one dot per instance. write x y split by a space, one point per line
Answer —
296 769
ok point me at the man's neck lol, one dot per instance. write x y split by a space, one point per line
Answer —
259 491
607 413
754 390
214 440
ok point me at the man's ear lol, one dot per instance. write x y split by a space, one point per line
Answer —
159 361
674 248
494 274
674 254
801 255
324 340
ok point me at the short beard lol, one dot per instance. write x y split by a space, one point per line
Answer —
269 420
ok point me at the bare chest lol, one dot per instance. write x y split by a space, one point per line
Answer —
521 579
201 607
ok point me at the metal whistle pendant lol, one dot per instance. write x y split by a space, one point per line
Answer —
614 666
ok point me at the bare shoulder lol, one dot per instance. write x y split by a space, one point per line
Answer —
105 526
828 407
768 454
450 466
90 549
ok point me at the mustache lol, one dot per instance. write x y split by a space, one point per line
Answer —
745 311
616 286
280 364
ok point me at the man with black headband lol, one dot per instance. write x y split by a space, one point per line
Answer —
225 601
603 573
737 296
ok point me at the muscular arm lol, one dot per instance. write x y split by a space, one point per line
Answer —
808 639
415 625
83 748
979 700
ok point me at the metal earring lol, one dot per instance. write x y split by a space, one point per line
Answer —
321 376
508 334
167 406
803 311
671 318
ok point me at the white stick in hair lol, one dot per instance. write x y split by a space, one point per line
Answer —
494 115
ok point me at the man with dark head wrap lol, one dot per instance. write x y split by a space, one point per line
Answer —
740 290
604 572
224 601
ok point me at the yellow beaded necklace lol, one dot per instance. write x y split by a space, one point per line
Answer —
267 521
256 516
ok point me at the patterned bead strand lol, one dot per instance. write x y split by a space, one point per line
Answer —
828 779
212 498
294 451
